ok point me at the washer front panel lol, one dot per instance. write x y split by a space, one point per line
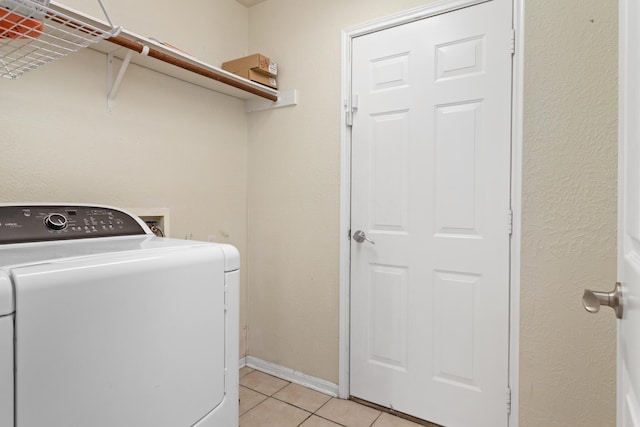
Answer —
122 339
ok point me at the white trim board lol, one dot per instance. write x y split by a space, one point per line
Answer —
292 375
517 138
411 15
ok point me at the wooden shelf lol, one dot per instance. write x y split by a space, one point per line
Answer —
172 62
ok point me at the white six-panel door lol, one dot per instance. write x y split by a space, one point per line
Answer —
431 191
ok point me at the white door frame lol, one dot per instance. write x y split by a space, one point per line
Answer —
625 84
422 12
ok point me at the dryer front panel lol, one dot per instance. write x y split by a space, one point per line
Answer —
128 339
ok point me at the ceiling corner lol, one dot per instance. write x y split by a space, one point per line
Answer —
249 3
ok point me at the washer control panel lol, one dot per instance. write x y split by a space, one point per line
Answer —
20 224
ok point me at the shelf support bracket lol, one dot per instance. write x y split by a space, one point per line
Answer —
114 85
285 98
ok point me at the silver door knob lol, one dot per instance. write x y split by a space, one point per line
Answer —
359 236
592 300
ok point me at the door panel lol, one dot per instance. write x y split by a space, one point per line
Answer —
453 344
389 168
431 189
388 331
456 140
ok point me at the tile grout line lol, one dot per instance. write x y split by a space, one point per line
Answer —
256 405
330 420
305 420
377 418
324 418
296 406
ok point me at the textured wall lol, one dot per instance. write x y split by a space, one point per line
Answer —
166 144
569 213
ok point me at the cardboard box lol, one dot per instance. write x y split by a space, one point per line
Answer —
255 62
261 78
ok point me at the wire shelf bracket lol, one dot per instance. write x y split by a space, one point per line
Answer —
114 84
32 34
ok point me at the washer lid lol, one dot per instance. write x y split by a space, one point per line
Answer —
6 295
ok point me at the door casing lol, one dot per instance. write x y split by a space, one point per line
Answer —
422 12
626 413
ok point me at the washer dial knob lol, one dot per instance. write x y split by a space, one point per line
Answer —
55 221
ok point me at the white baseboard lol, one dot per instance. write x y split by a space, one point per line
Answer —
242 363
291 375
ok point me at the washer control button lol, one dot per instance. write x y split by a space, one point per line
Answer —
55 221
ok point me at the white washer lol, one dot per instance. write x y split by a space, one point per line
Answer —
103 324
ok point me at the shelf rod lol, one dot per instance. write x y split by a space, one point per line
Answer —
138 47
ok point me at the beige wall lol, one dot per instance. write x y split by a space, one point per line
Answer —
166 144
567 356
569 208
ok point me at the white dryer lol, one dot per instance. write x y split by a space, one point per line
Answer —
103 324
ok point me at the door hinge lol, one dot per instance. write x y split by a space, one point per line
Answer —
348 118
513 41
510 222
508 400
351 110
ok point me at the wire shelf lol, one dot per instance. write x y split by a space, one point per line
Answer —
32 35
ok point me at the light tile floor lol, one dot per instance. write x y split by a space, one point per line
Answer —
267 401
